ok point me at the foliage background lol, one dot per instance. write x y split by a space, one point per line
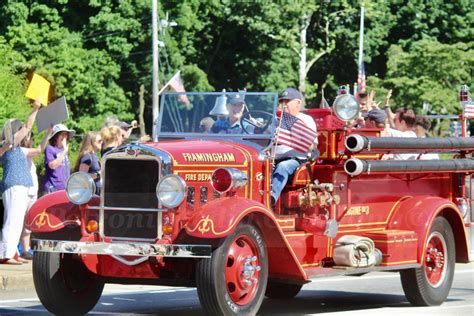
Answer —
97 53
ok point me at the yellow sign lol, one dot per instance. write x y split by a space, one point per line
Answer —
208 157
38 89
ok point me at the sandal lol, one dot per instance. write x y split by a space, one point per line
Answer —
10 261
21 260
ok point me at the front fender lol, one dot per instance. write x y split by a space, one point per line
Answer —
418 213
52 212
218 219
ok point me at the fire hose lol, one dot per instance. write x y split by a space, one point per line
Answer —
355 251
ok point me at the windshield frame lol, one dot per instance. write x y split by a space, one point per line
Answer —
157 129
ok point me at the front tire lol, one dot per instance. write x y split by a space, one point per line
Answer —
233 280
64 285
430 284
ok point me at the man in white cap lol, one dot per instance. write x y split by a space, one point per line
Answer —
296 136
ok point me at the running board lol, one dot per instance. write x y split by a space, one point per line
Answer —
318 272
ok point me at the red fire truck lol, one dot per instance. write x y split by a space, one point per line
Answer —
192 208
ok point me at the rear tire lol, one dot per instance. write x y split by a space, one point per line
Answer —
278 290
233 280
64 285
430 284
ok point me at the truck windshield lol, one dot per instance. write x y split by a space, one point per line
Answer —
235 114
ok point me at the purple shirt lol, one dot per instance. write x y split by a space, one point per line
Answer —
55 180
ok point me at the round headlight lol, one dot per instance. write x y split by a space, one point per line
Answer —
80 188
171 190
346 107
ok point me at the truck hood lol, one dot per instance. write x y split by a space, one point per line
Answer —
207 153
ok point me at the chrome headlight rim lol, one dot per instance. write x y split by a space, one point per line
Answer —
342 103
80 183
180 192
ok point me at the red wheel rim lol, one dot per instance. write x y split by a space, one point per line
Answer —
242 271
435 260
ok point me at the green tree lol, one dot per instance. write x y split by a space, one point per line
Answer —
13 103
431 72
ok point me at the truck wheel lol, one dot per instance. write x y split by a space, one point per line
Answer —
64 285
282 290
233 280
430 284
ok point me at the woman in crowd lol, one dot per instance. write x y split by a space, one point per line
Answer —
31 153
56 159
15 185
112 137
88 161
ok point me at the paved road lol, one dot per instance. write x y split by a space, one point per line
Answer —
372 294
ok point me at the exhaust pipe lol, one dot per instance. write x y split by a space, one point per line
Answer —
356 143
355 167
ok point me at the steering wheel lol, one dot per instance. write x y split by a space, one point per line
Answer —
258 127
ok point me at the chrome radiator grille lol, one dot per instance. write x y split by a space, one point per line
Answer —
130 183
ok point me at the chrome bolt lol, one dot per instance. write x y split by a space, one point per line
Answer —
248 282
258 268
428 259
254 258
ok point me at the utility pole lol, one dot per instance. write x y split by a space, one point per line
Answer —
155 77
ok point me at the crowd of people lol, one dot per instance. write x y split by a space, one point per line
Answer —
20 185
403 123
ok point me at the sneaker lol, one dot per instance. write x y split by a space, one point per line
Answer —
28 255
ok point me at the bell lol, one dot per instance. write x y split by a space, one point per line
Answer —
220 107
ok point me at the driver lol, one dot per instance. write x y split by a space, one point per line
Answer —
231 124
296 136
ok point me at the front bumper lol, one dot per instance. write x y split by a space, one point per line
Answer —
122 249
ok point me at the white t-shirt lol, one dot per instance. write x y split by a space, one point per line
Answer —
430 156
396 133
32 191
283 151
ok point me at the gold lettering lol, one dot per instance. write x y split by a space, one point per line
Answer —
208 157
358 210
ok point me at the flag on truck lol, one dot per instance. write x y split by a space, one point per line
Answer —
295 133
469 108
361 78
176 84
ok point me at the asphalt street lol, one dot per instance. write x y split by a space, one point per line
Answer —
371 294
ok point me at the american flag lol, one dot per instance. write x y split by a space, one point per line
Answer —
469 108
361 78
176 84
295 133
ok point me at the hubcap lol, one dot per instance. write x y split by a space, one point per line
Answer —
242 272
435 259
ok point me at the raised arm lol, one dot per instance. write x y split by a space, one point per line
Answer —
386 106
25 129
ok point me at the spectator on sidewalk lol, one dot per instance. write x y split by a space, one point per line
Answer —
112 137
15 184
88 161
56 159
31 153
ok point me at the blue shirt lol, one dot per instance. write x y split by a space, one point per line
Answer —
15 169
92 161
